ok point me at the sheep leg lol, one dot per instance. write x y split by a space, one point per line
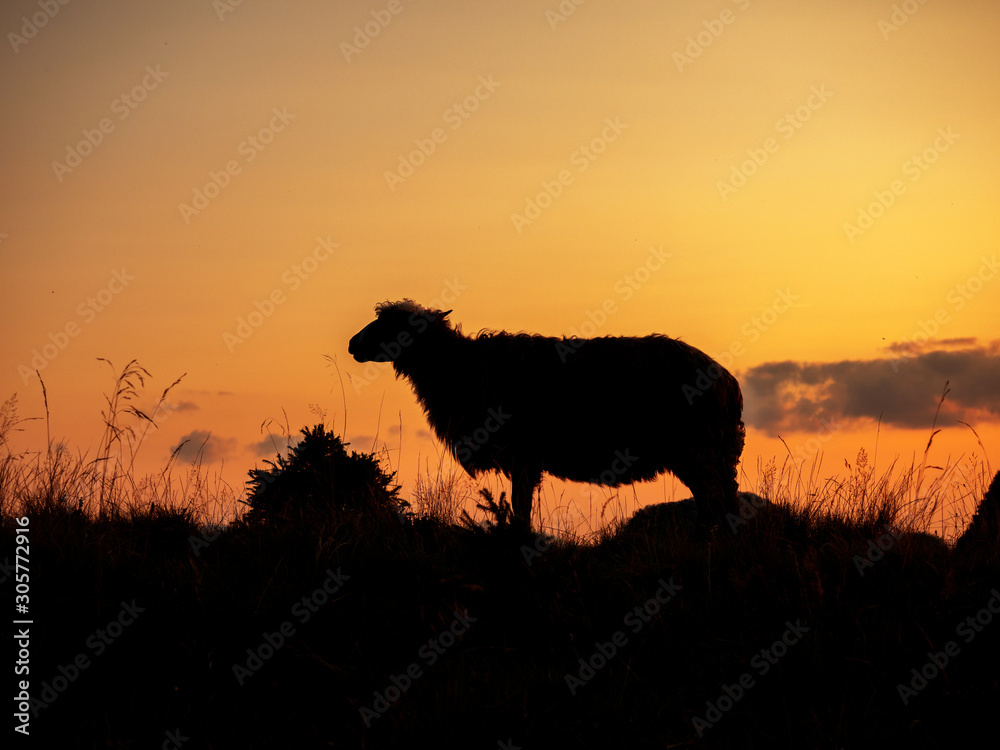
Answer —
715 495
523 481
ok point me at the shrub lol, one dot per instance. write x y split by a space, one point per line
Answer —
319 477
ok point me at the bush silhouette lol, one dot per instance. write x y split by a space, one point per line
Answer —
319 477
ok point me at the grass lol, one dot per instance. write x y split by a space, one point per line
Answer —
106 485
291 629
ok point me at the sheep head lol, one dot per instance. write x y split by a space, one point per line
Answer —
398 326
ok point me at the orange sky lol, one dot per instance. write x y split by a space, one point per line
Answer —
170 166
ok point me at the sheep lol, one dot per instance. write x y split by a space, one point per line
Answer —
608 411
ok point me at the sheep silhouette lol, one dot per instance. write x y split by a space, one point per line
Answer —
608 411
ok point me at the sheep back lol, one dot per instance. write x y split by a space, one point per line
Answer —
607 410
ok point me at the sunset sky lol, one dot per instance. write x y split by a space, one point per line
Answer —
224 190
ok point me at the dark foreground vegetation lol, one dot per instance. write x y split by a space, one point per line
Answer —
333 616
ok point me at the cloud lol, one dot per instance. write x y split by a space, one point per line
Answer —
171 408
907 347
270 447
210 447
904 390
162 411
361 440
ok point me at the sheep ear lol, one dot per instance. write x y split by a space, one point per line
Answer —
440 317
